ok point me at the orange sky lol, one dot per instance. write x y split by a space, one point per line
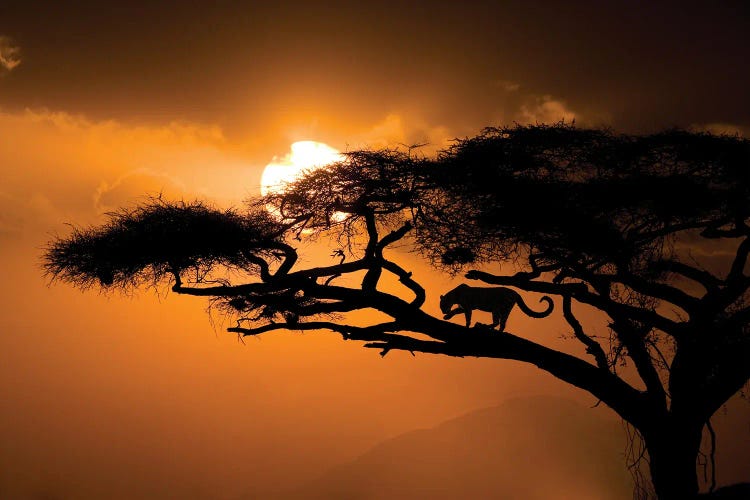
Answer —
100 106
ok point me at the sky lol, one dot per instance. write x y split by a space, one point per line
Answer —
102 104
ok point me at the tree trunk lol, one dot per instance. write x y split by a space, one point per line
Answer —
673 451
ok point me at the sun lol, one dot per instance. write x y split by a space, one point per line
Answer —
304 156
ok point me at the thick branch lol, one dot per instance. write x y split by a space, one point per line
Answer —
290 258
292 280
633 337
735 285
478 343
405 278
737 282
389 304
580 292
369 333
393 236
620 396
704 278
265 274
330 307
658 291
524 281
731 371
632 330
370 281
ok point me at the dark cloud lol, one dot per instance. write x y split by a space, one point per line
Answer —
635 65
10 54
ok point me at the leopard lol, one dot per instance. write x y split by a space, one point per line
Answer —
497 300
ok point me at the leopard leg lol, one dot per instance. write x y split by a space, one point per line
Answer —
502 321
502 316
496 320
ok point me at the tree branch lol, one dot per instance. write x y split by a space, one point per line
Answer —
393 236
523 280
616 393
736 280
658 291
580 292
704 278
370 281
290 258
592 346
291 280
349 332
265 274
405 278
633 337
735 285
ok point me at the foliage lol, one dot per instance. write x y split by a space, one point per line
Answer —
588 195
142 245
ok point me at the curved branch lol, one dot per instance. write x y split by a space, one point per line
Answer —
657 290
734 286
523 280
632 337
265 273
704 278
737 282
370 281
592 346
290 258
405 278
393 236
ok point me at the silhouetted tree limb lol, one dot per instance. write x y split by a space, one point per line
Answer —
592 346
710 282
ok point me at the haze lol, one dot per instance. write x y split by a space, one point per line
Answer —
146 396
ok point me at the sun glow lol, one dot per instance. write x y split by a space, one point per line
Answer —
304 157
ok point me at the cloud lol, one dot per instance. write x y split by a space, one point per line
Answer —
135 186
394 131
57 167
10 54
545 109
507 85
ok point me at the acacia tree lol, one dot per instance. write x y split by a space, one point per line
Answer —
591 217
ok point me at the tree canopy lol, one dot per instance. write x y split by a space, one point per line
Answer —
627 224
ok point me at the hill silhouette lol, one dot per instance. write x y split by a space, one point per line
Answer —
526 448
